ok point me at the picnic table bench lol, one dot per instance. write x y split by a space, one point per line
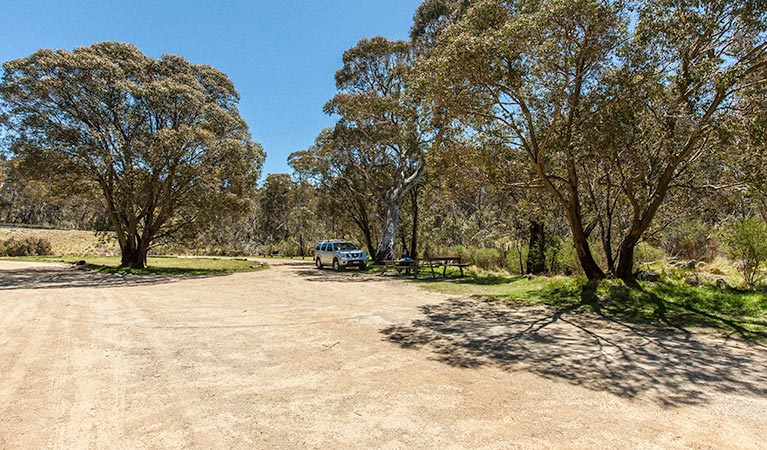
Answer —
414 266
399 265
444 262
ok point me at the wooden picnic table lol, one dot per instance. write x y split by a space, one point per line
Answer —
444 262
399 265
414 266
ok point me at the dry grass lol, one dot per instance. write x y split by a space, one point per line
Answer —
67 242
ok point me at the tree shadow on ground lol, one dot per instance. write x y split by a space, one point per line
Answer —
588 348
290 263
347 276
70 277
426 278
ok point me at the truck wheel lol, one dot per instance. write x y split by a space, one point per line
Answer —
336 265
318 263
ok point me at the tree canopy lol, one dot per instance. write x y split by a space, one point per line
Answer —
582 134
159 140
608 104
383 132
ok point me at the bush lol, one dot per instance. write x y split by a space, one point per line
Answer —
513 257
488 258
457 250
692 240
747 245
566 260
645 252
25 246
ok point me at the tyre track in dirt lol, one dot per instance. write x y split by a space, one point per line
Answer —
94 384
22 353
292 357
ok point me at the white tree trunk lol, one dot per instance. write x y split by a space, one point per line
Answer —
389 231
391 220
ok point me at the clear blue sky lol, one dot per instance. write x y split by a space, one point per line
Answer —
280 54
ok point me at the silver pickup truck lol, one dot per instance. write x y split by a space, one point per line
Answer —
339 255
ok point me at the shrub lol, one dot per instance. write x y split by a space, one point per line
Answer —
693 240
747 245
645 252
25 246
513 256
458 250
488 258
565 260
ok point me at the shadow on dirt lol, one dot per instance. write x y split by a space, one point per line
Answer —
70 277
347 276
287 263
588 349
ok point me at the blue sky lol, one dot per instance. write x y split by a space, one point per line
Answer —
281 55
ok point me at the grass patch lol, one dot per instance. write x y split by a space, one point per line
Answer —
158 265
488 286
670 303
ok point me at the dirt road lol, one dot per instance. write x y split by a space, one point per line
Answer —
291 357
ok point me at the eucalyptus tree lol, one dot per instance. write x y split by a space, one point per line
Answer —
431 18
744 150
686 66
276 204
536 75
493 171
346 177
500 202
306 229
378 111
160 140
517 72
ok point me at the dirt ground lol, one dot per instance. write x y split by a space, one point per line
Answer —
292 357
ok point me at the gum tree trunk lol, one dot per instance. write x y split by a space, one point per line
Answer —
536 255
414 235
588 264
393 200
133 253
389 230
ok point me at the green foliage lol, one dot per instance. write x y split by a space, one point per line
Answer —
25 246
671 303
691 239
566 260
646 252
276 201
160 140
516 259
747 245
458 250
488 259
609 104
377 146
25 200
348 183
286 248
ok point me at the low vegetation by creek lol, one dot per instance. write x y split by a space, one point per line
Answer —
681 300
